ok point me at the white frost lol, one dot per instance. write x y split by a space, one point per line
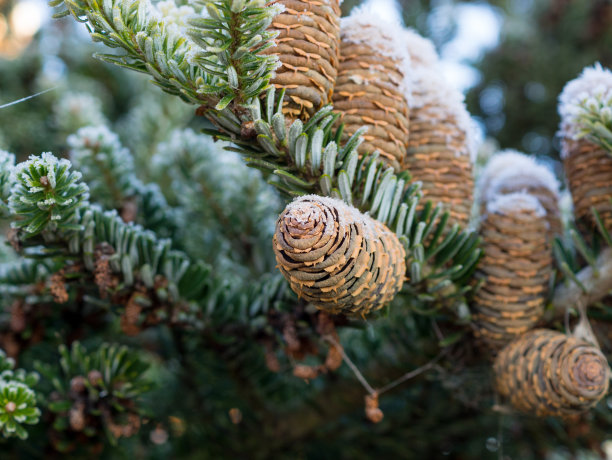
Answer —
422 51
366 25
515 169
430 89
592 88
516 203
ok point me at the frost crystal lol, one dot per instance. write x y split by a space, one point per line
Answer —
174 15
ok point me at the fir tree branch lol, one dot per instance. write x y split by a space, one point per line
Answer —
7 162
17 399
138 257
151 44
231 40
300 158
229 210
108 169
96 392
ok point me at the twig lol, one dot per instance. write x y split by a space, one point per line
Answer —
350 364
413 373
391 385
570 294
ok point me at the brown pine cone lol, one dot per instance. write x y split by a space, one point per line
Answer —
373 85
441 141
589 173
307 46
515 270
511 171
588 166
547 373
338 258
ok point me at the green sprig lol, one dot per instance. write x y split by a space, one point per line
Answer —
231 41
46 195
17 399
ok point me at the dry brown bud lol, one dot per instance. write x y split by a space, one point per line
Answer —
305 372
235 415
372 411
333 360
290 336
58 287
77 384
272 362
18 316
95 377
130 317
76 416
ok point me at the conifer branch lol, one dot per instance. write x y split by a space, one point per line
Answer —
108 170
151 45
96 392
17 399
230 43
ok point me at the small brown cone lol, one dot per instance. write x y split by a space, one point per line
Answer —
338 258
547 373
307 46
440 144
372 87
515 270
511 171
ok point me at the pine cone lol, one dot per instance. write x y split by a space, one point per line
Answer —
588 166
589 172
511 171
307 46
515 270
547 373
441 140
372 86
338 258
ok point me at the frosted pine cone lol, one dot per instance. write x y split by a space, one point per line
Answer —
441 140
373 85
515 270
511 171
589 172
307 46
336 257
547 373
588 166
